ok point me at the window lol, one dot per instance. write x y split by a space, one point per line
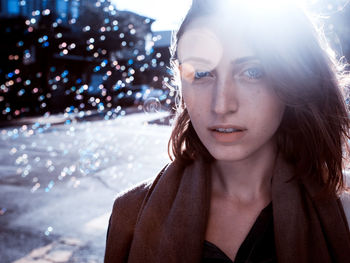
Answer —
62 9
13 7
75 9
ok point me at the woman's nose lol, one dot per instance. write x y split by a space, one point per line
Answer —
225 96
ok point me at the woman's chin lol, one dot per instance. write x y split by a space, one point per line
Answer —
228 156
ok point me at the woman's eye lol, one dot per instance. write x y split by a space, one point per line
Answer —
254 73
202 74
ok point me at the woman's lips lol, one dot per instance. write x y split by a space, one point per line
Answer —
227 134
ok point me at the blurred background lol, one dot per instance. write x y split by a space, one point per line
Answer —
85 112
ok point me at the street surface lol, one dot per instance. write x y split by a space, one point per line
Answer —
58 183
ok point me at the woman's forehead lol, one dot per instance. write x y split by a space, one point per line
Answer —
207 40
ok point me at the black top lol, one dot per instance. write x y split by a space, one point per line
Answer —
258 246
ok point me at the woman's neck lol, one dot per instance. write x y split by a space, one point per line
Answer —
246 180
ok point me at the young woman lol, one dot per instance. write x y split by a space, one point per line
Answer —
259 147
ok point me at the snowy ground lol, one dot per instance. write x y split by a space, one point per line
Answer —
58 183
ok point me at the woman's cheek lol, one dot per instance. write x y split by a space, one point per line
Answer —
190 96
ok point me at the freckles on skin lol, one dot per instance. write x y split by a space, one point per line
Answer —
200 43
228 95
268 115
260 111
191 99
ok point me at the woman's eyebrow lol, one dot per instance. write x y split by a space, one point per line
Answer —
244 60
196 59
237 61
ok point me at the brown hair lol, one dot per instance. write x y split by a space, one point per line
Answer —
314 130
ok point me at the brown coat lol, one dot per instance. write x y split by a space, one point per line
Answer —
165 220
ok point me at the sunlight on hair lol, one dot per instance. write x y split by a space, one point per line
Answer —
200 45
263 4
272 4
310 5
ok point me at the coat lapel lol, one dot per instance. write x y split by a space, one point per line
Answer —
172 222
306 229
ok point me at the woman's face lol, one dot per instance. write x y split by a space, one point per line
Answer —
230 103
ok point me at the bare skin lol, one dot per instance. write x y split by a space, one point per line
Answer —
236 201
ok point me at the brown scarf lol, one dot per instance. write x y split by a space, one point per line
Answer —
166 221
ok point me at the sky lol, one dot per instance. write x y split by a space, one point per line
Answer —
168 13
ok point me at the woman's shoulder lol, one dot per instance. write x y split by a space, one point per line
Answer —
132 198
128 202
123 218
122 221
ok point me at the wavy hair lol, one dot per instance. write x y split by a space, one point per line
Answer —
313 135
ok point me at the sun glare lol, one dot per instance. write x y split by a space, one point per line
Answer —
168 14
266 5
168 17
310 5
